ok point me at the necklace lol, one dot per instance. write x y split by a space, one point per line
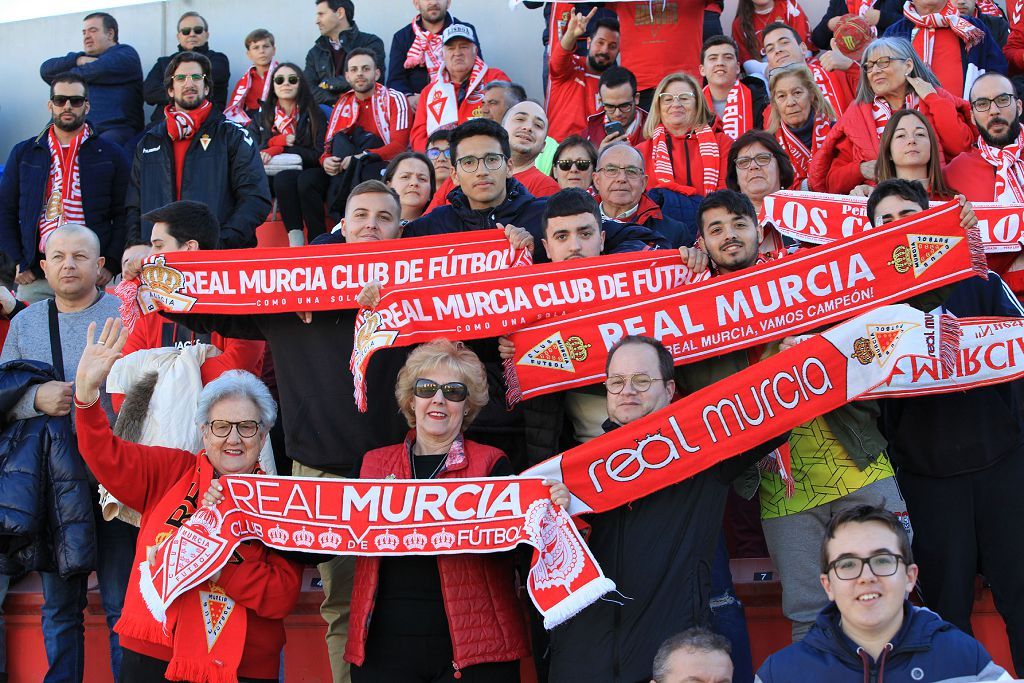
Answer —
433 474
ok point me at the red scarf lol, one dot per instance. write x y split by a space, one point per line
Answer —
284 123
859 7
478 305
235 111
760 304
441 101
924 42
823 79
425 50
881 112
818 218
738 116
346 113
63 186
664 174
799 155
182 124
318 278
1009 167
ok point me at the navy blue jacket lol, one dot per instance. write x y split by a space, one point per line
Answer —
926 648
227 175
890 11
986 55
413 81
115 85
103 169
523 210
46 512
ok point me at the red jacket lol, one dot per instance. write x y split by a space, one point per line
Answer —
468 109
853 139
594 130
154 331
573 92
972 176
155 481
1014 50
485 620
695 183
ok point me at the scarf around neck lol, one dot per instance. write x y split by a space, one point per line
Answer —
64 195
948 17
346 113
441 101
182 124
235 111
881 112
284 123
1009 186
425 50
798 152
738 116
664 174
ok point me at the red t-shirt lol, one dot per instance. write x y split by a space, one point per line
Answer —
658 38
779 12
252 97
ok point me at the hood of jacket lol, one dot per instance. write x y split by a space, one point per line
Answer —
517 198
915 635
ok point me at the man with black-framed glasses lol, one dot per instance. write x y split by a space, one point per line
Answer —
66 174
193 35
620 116
197 154
870 629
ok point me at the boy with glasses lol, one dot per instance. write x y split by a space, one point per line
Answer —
193 36
67 174
870 629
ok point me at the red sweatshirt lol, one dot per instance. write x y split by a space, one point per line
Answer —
573 92
778 13
154 331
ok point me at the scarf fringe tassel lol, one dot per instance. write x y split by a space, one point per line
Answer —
513 392
150 595
978 262
580 599
950 334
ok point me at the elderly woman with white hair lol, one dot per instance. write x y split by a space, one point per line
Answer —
892 77
233 624
438 618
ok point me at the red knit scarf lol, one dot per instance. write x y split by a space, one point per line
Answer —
486 305
738 116
235 111
182 124
859 7
757 305
1009 167
881 112
664 174
425 50
823 79
799 155
817 218
441 102
346 112
63 185
284 123
924 42
318 278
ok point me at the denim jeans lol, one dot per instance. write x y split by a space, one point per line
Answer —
64 603
727 617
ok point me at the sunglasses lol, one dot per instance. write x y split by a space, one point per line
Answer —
292 80
452 391
75 100
436 152
181 78
189 30
580 164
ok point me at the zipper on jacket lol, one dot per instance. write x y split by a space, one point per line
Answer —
458 673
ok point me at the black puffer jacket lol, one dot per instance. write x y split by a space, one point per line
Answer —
46 515
319 72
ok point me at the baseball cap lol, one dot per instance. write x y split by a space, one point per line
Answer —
458 31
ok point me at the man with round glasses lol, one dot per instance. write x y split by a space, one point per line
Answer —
66 174
870 629
193 36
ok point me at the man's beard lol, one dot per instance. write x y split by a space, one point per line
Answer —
363 89
594 66
71 126
182 105
1008 138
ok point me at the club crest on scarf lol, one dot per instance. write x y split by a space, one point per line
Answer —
555 353
880 342
920 252
562 558
216 607
160 286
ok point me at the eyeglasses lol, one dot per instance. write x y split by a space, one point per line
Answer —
667 99
452 391
850 568
246 428
492 162
762 160
640 382
621 108
181 78
292 80
580 164
189 30
984 104
434 153
75 100
882 63
632 172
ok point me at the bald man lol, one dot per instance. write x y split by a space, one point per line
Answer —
527 126
72 267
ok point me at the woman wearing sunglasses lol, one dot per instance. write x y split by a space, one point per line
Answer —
255 591
425 618
574 163
290 128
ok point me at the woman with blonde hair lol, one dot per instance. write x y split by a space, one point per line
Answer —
686 148
800 117
430 618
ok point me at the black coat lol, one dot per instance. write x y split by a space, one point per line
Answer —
309 136
227 175
319 71
155 93
46 510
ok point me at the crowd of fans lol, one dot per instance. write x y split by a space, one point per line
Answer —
646 138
